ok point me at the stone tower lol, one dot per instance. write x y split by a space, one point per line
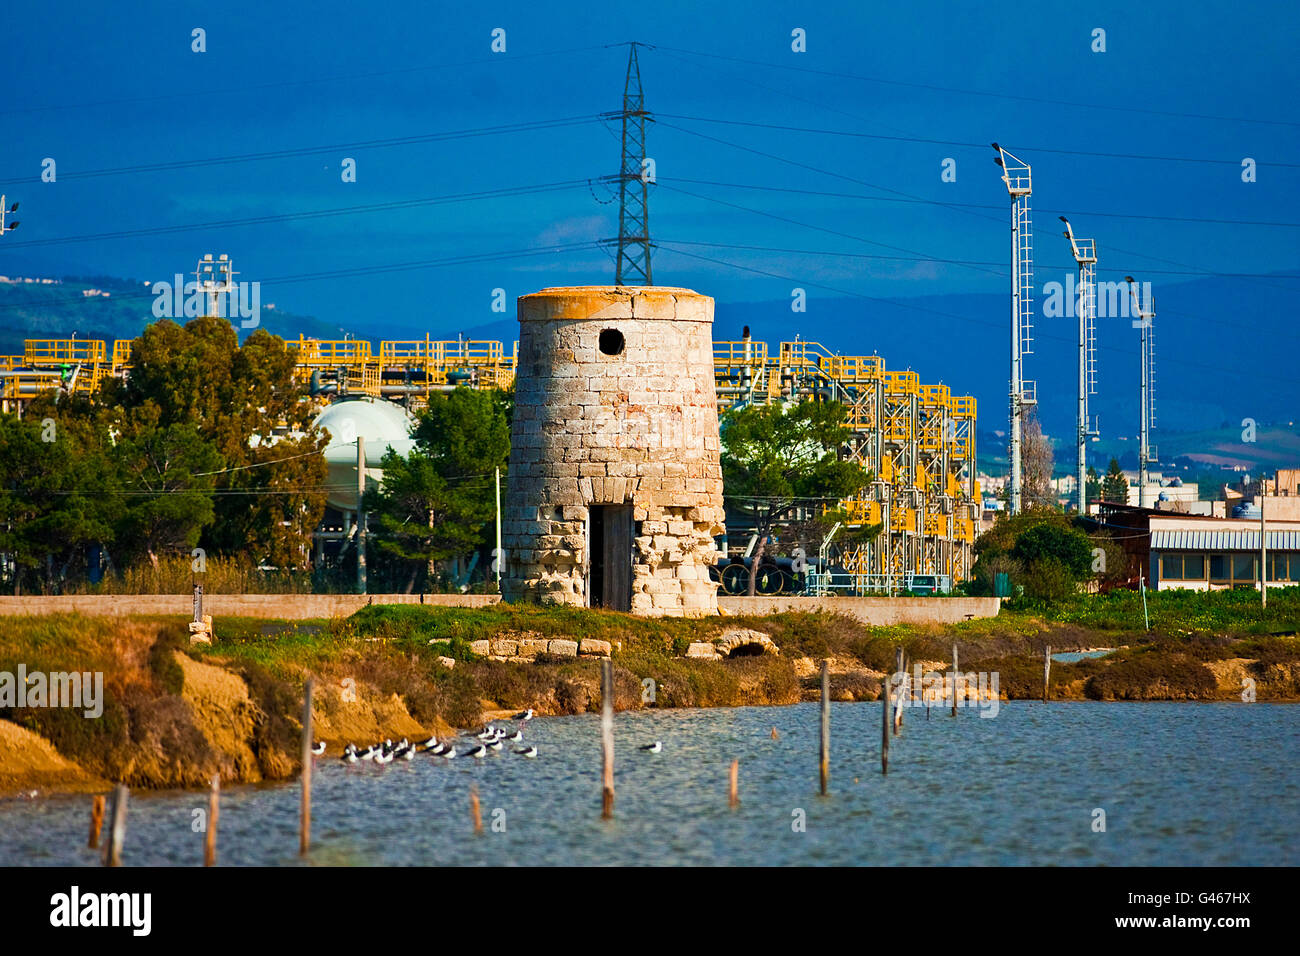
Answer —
615 488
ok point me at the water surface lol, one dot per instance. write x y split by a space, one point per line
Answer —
1180 784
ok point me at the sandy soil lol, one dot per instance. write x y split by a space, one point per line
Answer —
31 763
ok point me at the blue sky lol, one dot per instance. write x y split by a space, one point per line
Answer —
119 86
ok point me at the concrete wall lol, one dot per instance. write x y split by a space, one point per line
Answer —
288 606
872 610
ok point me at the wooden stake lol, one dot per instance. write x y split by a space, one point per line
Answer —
825 762
116 828
304 815
96 820
1047 670
607 738
734 793
475 812
884 724
775 735
210 838
902 684
954 680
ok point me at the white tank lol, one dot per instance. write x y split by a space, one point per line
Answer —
384 426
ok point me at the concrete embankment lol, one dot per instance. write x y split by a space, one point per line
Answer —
876 611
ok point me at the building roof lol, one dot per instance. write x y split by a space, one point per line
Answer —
1222 540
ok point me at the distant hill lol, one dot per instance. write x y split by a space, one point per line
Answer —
56 310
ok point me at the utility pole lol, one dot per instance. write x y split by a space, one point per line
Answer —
1263 548
498 557
1143 322
635 175
1016 175
5 211
1085 254
361 515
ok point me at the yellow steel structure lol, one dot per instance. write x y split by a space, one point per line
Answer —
917 440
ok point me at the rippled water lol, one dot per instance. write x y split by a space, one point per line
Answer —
1181 784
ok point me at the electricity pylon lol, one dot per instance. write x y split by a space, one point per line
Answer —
1019 184
1143 322
1085 254
633 184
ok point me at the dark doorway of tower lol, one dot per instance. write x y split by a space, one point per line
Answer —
611 531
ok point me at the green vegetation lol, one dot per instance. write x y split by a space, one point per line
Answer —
436 503
1115 486
164 462
1046 553
1201 647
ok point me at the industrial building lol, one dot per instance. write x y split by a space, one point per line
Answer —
917 440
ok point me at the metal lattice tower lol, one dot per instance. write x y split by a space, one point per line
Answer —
1145 323
633 185
1019 183
1085 254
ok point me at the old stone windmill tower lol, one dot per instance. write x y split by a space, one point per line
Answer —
615 487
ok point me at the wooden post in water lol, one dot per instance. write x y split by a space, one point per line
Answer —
733 793
96 820
116 828
607 738
1047 670
475 812
304 813
210 838
902 683
825 761
954 679
884 724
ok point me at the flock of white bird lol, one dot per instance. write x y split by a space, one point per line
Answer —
492 739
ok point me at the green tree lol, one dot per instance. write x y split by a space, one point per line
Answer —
1115 486
779 458
57 494
165 473
244 402
1042 549
438 502
1092 486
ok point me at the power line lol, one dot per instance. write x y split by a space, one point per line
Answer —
949 142
194 94
415 264
833 232
998 208
1217 369
316 150
959 262
935 202
972 92
311 214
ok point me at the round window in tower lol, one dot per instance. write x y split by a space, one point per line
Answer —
611 342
